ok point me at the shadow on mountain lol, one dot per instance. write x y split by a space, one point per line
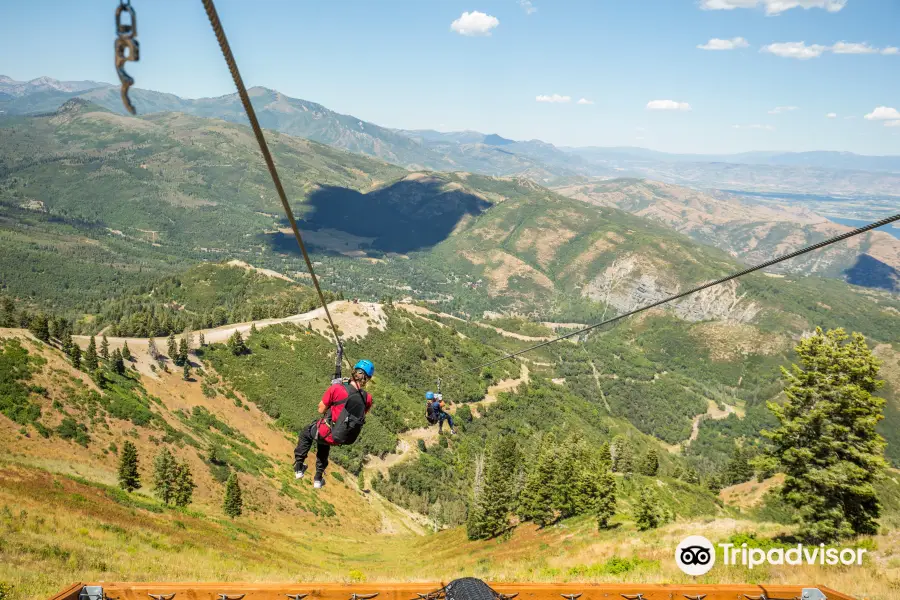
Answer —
409 215
871 272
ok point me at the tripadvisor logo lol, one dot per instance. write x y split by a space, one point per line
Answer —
696 555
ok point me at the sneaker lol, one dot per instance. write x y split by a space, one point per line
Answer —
318 483
452 432
299 473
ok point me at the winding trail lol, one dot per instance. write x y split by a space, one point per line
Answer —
409 440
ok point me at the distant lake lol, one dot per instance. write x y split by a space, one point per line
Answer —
891 229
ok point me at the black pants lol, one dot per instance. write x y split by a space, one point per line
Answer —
307 437
444 417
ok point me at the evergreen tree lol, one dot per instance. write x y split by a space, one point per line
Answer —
104 348
173 347
252 328
40 327
738 469
7 312
202 340
126 351
152 350
182 353
647 514
622 453
650 463
186 371
236 344
605 505
164 475
90 356
489 516
75 355
118 363
129 477
233 503
536 502
66 342
826 443
182 484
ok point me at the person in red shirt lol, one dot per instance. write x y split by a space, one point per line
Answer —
341 403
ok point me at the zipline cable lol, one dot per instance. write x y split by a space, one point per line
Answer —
746 271
210 7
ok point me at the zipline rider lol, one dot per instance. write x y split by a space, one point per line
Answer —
343 408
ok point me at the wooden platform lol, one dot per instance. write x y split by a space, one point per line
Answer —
411 591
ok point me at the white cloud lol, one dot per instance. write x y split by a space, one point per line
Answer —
585 101
554 98
762 127
668 105
883 113
798 50
474 23
831 115
717 44
528 7
782 109
891 50
892 124
773 7
853 48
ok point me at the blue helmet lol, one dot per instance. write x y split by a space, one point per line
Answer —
366 367
429 395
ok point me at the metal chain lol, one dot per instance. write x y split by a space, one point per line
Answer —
126 49
210 7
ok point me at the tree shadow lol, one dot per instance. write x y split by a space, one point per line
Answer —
406 216
868 271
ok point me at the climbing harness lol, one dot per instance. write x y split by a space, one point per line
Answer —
127 49
210 7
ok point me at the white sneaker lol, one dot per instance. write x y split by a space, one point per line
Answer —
318 483
298 474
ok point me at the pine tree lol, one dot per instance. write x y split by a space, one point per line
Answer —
75 355
126 351
118 363
650 463
536 502
493 504
233 503
7 312
173 347
66 342
738 468
236 344
164 475
182 484
647 514
252 328
202 340
186 371
90 356
605 505
826 443
129 477
104 348
182 353
152 350
40 327
622 455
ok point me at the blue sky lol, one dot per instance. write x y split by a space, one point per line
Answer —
399 63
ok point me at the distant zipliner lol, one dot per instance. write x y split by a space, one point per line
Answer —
435 413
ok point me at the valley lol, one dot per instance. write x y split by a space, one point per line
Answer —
439 253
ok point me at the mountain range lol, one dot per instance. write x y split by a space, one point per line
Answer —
490 154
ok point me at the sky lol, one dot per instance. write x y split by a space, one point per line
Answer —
698 76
